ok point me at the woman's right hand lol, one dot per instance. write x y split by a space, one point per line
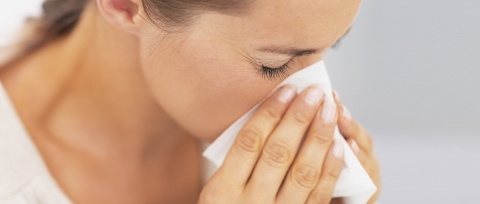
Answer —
265 164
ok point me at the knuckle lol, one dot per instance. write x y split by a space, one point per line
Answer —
248 141
322 196
276 154
322 138
331 175
305 176
300 117
271 112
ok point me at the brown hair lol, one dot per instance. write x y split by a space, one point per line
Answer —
58 19
60 16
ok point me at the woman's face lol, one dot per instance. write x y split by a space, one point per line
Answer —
209 76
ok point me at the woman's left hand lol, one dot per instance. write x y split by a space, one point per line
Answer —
361 143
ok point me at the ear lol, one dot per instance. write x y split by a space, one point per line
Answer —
121 13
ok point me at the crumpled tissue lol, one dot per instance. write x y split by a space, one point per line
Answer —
354 184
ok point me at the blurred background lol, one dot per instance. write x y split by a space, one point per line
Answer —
409 71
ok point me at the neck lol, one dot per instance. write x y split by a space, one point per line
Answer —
93 97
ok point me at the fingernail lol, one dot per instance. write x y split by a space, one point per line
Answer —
286 94
328 112
338 149
314 95
355 147
336 95
346 113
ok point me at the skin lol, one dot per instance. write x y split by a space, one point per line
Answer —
117 107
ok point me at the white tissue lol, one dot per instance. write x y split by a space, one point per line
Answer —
354 184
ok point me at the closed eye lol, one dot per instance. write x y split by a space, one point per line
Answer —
273 73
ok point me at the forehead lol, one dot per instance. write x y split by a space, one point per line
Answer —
307 23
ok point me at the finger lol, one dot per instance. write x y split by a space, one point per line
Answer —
375 175
357 151
350 128
247 147
370 165
354 146
336 96
306 169
331 170
281 147
369 162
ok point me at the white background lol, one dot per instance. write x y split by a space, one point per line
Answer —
409 71
12 16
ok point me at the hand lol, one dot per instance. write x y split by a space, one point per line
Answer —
360 142
263 165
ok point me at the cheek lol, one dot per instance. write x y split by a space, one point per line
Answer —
202 88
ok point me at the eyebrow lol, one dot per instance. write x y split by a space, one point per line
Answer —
290 51
296 52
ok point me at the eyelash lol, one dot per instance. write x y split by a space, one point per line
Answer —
274 73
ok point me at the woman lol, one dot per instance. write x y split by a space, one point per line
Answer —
117 95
